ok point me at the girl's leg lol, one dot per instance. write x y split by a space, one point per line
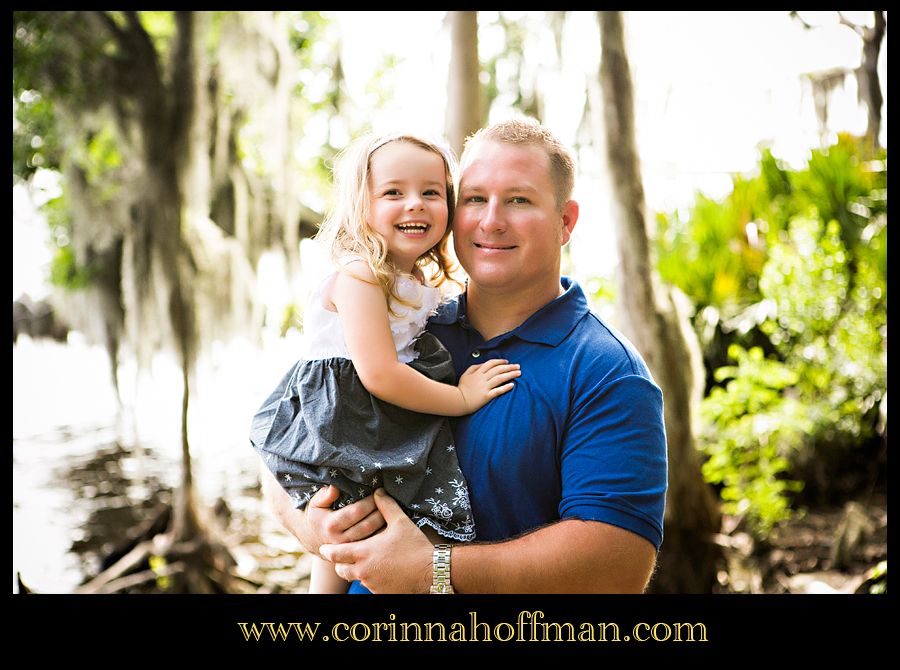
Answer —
323 578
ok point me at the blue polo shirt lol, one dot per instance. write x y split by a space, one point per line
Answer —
580 436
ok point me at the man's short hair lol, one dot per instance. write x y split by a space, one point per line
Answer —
531 133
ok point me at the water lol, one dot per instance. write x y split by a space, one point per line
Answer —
84 473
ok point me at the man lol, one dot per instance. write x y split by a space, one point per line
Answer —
567 472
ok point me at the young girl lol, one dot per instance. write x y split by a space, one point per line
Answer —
358 410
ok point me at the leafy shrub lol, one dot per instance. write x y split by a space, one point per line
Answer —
797 259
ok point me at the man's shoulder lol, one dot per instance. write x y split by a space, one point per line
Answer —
601 347
446 312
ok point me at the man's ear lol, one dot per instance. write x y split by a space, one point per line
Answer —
569 219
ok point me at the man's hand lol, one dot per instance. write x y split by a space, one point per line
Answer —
318 523
395 560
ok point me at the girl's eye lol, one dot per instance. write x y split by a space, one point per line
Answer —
433 191
392 191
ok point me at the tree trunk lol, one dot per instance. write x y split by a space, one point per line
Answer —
287 204
869 82
157 283
463 89
688 560
185 99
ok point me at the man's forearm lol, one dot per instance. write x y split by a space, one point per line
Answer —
571 556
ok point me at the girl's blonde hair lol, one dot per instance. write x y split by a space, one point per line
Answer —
346 232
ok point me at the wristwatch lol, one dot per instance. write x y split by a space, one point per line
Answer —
440 569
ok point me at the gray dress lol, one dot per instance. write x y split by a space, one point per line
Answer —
321 426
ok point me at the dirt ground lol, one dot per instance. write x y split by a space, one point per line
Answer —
829 549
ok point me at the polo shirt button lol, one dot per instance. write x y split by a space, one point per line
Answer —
476 354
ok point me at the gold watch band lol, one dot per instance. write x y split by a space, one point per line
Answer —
440 569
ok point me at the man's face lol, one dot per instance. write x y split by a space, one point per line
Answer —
507 229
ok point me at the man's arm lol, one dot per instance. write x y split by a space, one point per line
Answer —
570 556
318 523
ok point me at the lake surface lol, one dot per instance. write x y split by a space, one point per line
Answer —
84 472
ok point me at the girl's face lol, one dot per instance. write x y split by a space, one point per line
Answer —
407 200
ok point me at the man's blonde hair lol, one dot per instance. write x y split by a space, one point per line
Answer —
346 232
530 133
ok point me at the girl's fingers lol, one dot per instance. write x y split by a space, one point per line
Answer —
500 390
505 377
491 364
502 369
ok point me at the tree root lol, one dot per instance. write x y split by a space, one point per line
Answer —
160 562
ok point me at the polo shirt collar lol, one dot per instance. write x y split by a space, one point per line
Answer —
550 325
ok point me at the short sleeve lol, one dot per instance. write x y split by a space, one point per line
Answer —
613 457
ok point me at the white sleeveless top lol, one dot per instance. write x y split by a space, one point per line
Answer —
323 336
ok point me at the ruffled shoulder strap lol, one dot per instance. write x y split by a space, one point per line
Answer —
424 300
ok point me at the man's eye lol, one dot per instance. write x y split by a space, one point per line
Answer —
519 200
475 198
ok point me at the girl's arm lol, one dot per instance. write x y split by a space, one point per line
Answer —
363 311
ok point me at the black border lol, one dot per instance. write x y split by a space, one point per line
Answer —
756 628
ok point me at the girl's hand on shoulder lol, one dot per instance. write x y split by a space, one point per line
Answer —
485 381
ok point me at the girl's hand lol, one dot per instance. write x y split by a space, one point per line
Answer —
486 381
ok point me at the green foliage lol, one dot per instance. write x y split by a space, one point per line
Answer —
802 257
61 55
158 564
710 256
36 142
831 335
834 180
32 49
601 290
716 254
65 271
292 317
879 578
750 430
99 159
161 28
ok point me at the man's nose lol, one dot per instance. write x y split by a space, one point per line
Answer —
492 217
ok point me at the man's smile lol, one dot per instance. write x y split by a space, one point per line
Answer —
490 247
